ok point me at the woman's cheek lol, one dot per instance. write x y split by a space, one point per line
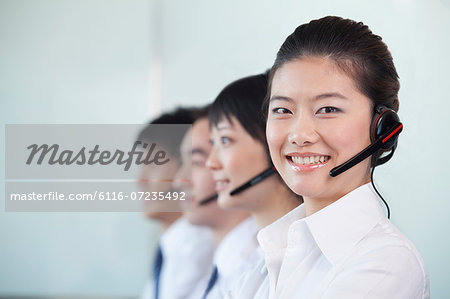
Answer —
275 137
270 130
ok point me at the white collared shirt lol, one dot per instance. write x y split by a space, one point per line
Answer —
188 252
236 254
348 249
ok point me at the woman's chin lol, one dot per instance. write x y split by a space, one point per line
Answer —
307 188
228 202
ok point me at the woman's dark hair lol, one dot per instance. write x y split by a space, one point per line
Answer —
243 100
355 50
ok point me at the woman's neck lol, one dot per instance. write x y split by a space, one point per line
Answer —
315 204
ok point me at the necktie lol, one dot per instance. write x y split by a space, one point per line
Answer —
211 282
157 270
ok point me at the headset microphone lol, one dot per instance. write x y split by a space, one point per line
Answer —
208 200
368 151
384 131
380 143
255 180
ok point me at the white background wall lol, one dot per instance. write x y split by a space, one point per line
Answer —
74 62
120 61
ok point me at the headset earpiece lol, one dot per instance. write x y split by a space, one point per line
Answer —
384 132
383 120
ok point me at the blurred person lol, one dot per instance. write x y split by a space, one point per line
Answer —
234 231
184 251
240 154
239 158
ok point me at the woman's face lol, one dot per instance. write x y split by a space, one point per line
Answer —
317 120
236 157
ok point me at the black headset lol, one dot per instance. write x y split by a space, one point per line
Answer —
385 120
384 131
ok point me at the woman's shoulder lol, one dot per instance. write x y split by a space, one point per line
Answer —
385 261
386 250
385 236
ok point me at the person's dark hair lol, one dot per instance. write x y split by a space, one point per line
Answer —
353 47
243 100
178 116
170 136
201 112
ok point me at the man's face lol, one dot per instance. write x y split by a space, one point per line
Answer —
158 178
195 178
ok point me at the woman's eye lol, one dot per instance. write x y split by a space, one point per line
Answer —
280 110
224 140
328 109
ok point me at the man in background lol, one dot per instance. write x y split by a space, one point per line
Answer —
184 252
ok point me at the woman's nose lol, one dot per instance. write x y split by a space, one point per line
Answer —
303 131
213 162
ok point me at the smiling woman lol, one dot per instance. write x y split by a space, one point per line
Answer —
331 77
327 120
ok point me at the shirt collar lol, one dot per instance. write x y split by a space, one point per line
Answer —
341 225
239 245
179 237
172 233
274 236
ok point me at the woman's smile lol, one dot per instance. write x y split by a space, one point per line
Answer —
306 162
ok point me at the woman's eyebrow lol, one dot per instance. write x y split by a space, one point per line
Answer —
318 97
280 98
223 126
330 95
198 151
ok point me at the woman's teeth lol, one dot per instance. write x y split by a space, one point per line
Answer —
309 160
221 184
